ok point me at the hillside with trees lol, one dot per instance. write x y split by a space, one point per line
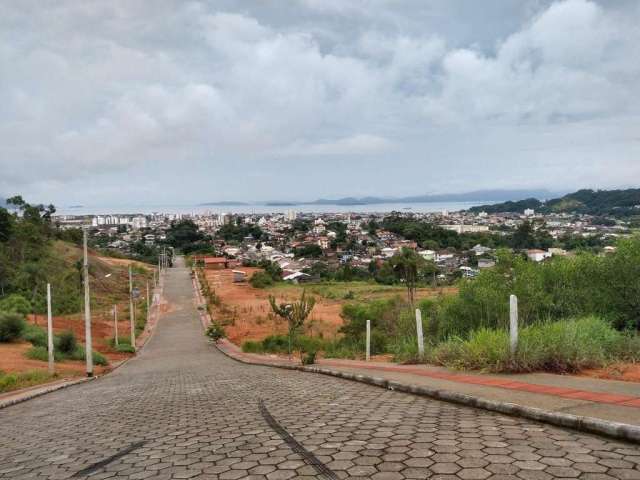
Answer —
34 252
617 203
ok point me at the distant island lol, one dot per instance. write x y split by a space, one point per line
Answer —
617 203
474 196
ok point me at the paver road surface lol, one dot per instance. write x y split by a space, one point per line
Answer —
184 410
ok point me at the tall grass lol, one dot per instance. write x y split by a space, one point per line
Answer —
14 381
561 346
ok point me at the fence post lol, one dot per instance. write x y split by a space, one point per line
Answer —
115 323
49 332
368 354
419 333
513 324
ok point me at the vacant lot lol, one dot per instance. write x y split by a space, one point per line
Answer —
246 313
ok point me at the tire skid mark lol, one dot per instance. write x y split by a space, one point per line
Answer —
308 457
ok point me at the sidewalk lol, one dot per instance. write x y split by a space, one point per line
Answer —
607 400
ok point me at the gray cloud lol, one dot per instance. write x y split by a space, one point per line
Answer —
106 99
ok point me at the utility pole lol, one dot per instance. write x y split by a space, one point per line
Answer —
115 322
87 308
131 312
50 332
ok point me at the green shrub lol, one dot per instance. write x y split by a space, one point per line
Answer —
80 354
67 343
15 303
251 346
14 381
121 341
276 344
12 326
8 382
261 280
125 348
309 358
42 354
37 336
215 331
344 348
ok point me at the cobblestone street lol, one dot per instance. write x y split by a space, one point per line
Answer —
183 410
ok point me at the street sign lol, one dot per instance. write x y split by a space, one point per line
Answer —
135 292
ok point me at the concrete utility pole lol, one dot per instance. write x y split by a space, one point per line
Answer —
50 332
368 351
419 333
87 308
115 323
148 301
513 324
131 311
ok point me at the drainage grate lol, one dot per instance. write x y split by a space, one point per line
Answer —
309 457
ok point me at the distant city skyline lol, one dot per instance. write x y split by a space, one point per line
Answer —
171 102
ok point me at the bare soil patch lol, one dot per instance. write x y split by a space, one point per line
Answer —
246 313
626 372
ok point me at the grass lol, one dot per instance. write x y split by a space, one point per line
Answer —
15 381
41 354
334 290
563 346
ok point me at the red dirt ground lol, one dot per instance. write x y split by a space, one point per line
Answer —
626 372
251 316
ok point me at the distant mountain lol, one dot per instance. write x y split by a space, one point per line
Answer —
475 196
620 203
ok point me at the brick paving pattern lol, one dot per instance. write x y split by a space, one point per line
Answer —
183 410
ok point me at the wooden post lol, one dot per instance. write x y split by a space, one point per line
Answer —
513 324
419 333
368 348
115 323
50 332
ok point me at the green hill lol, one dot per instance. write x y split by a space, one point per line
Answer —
618 203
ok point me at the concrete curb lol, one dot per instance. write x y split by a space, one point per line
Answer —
616 430
28 395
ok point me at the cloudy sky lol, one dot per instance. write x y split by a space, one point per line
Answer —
115 102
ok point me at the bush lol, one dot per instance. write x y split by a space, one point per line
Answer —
35 335
14 381
309 358
251 346
261 280
125 348
8 382
15 303
562 346
12 326
121 341
215 331
67 343
38 353
80 354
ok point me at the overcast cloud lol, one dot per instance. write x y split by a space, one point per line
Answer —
178 102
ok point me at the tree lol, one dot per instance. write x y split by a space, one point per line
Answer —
294 313
183 233
407 264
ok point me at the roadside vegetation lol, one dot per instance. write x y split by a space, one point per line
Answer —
574 313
